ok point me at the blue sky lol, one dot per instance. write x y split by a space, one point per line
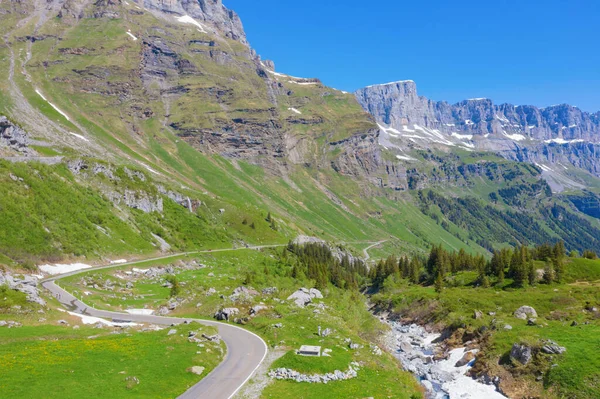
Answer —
518 51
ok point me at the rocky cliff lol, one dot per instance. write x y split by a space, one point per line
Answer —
398 105
560 134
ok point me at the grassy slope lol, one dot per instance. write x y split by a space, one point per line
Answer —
557 306
45 359
345 313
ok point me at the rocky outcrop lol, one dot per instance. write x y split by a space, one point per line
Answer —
304 296
521 353
13 137
208 12
525 312
559 134
398 104
27 285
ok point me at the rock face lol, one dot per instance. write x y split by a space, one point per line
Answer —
207 12
521 353
304 296
27 285
13 137
398 104
558 134
525 312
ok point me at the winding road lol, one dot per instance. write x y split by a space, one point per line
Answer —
245 350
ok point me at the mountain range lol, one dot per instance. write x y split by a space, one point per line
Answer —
163 110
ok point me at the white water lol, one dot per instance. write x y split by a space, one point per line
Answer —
415 347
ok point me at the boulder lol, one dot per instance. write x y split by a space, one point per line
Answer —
525 312
257 308
269 291
521 353
172 332
477 315
303 296
552 348
226 314
466 359
198 370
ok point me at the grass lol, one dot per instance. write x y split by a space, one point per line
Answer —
339 360
59 362
343 312
571 375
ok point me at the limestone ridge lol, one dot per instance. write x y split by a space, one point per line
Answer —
398 104
559 134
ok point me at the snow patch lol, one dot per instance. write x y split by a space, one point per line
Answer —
94 320
79 136
462 136
62 269
469 122
144 312
302 83
295 110
118 261
131 35
563 141
392 83
52 105
186 19
515 137
405 158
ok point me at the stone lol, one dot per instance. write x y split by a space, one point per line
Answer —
269 291
278 325
574 324
226 314
477 315
64 322
198 370
304 296
521 353
552 348
531 322
466 359
172 332
508 327
525 312
257 308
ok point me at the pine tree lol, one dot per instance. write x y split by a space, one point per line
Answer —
559 270
439 283
548 273
532 274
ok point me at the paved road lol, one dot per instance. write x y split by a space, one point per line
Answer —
366 250
245 350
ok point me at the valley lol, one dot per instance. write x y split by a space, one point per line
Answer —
178 218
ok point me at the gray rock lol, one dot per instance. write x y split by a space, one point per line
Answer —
198 370
269 291
525 312
257 308
477 315
552 348
172 332
304 296
521 353
14 137
226 314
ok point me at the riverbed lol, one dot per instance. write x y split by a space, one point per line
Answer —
443 379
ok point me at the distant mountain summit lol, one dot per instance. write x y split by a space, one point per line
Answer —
560 135
398 104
